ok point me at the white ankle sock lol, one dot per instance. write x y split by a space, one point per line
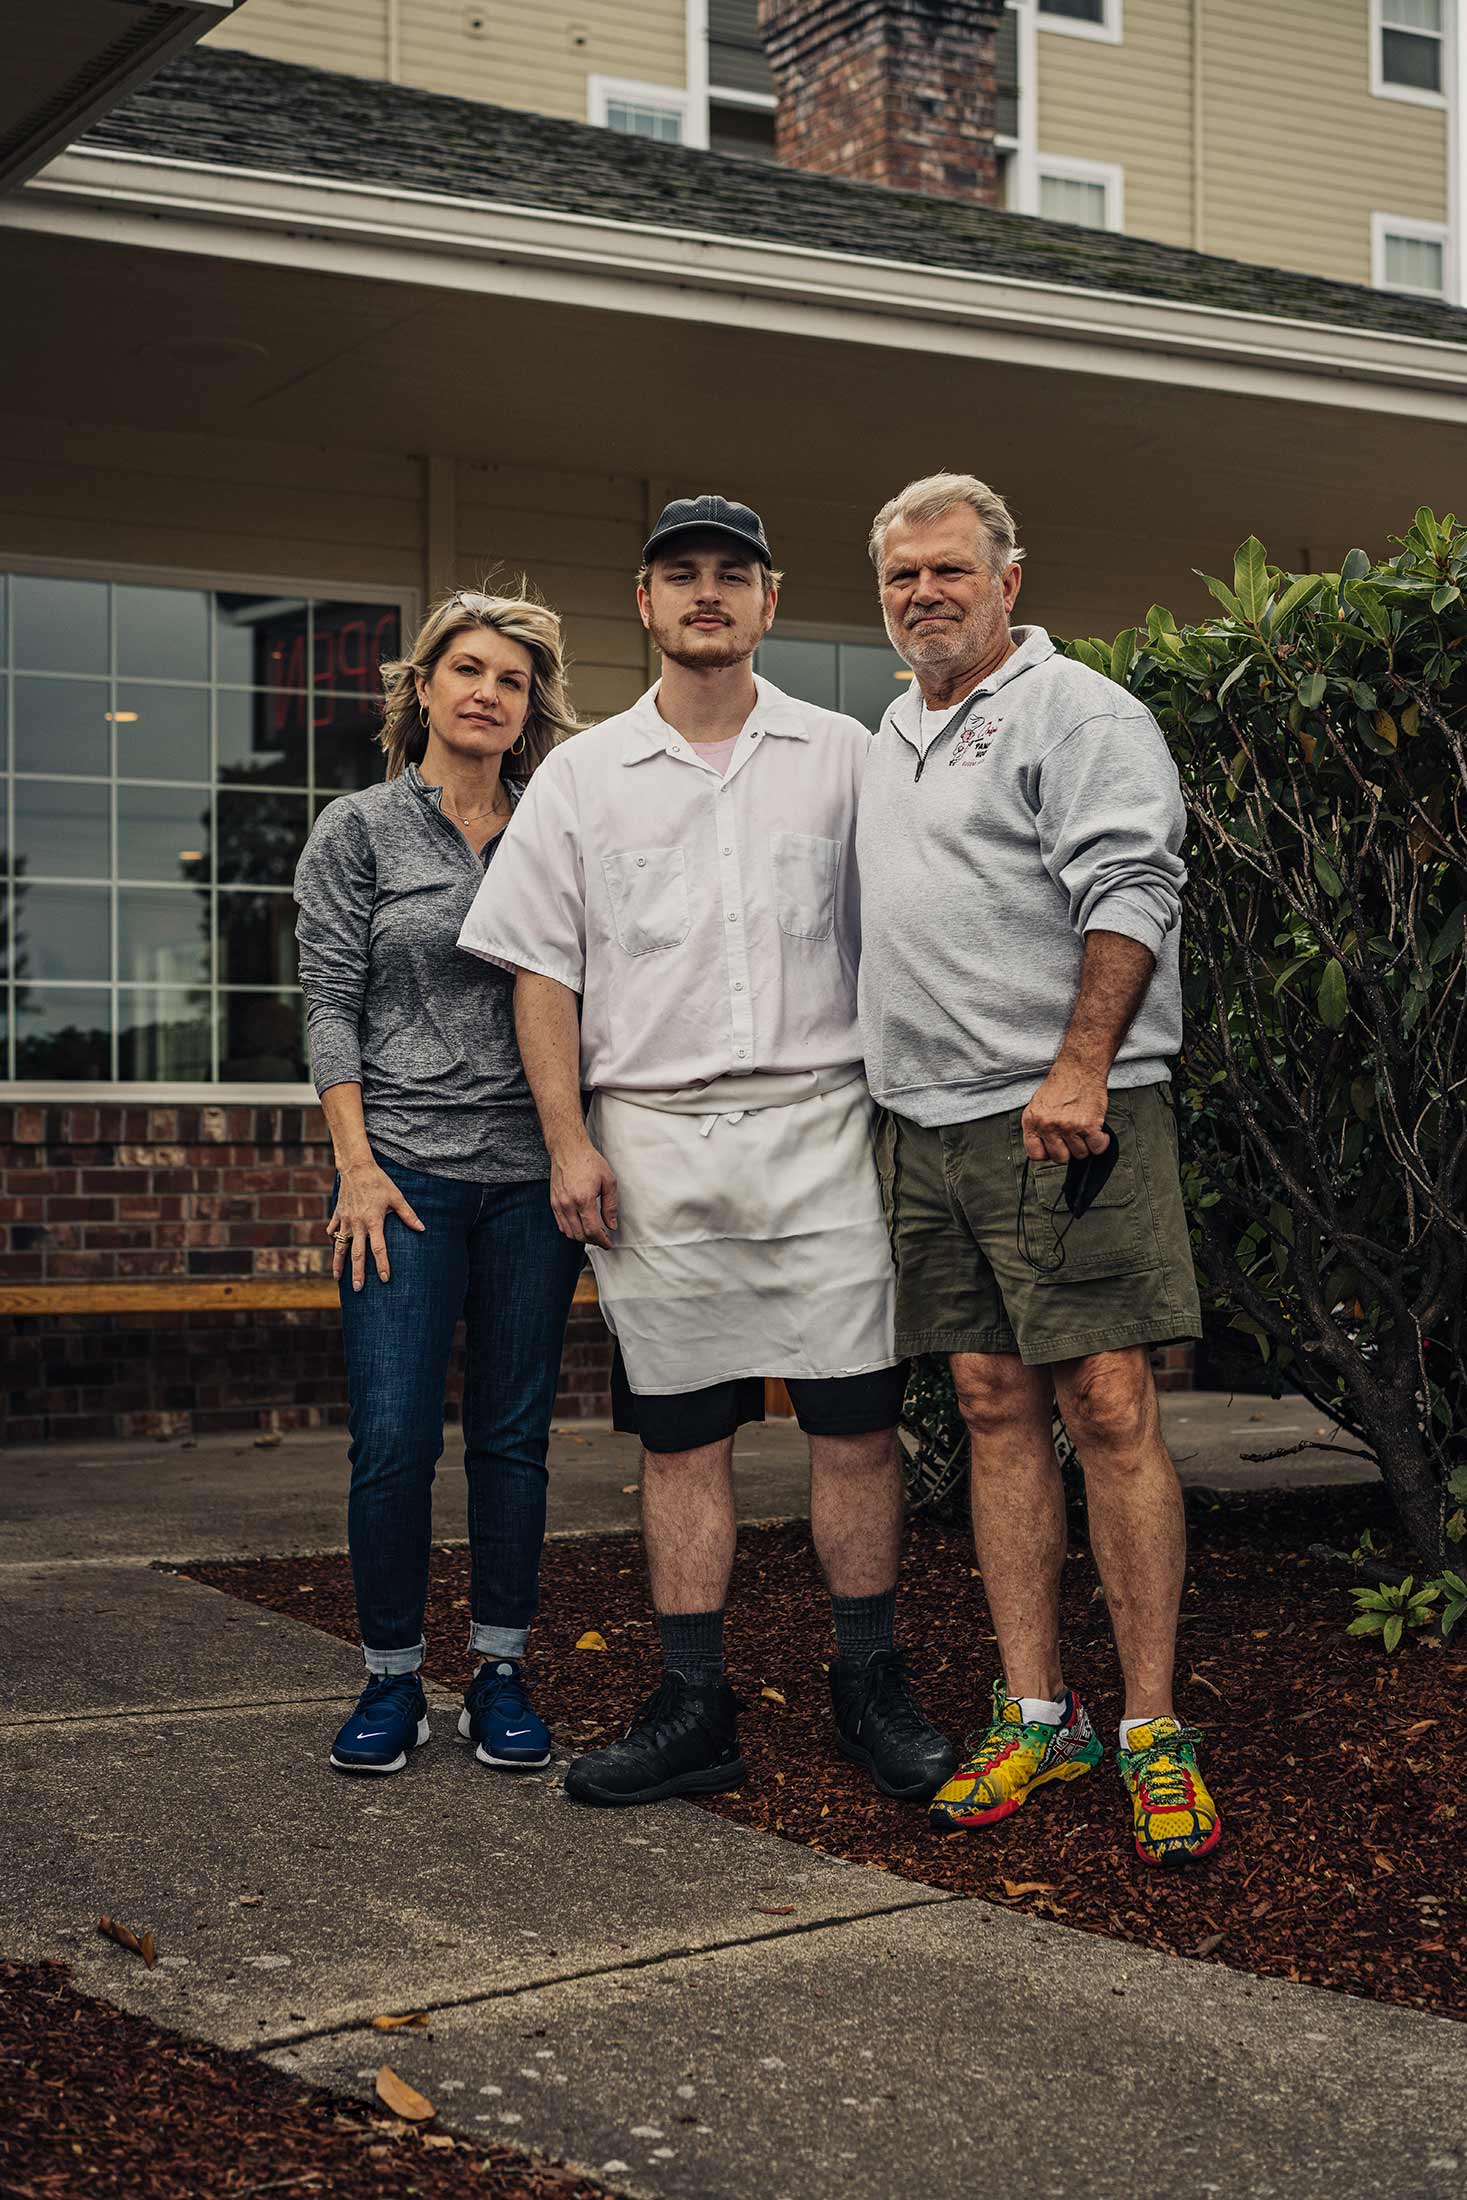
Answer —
1039 1707
1149 1720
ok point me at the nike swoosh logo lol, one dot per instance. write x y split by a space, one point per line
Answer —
512 1733
375 1735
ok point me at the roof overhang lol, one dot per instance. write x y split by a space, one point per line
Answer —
65 66
460 244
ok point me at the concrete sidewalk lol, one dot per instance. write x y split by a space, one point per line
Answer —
686 2007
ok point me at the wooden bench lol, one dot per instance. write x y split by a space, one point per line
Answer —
186 1295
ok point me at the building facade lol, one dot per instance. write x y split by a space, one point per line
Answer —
1323 135
366 342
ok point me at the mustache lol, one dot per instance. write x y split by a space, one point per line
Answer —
920 618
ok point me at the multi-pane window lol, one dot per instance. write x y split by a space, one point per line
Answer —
166 751
1086 18
1412 35
1076 11
638 118
1086 193
858 677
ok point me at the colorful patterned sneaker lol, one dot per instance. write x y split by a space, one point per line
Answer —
1176 1819
500 1720
1011 1758
391 1718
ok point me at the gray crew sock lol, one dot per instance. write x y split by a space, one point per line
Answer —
692 1644
864 1624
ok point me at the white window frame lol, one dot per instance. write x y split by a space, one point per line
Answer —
724 95
1383 226
1411 94
1110 32
1109 174
183 1093
602 90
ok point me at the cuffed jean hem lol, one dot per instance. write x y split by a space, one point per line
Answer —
385 1662
498 1642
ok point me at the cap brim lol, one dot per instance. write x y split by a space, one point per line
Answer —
706 527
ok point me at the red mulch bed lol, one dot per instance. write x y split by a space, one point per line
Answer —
1342 1774
102 2104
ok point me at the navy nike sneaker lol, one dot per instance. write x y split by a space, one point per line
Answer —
391 1718
499 1718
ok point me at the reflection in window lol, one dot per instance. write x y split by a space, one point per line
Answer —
153 738
63 1032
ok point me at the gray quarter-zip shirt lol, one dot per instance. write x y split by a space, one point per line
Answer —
1047 806
384 885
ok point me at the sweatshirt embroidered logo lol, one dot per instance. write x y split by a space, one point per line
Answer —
973 743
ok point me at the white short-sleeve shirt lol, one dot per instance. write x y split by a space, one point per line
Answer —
711 923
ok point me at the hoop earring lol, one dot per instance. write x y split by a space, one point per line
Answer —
517 748
423 716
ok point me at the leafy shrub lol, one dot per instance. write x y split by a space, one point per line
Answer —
1320 728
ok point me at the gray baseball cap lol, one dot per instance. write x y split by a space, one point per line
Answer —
709 515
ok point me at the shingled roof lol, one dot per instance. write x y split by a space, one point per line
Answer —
237 110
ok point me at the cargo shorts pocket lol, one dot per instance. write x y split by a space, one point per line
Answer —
884 1143
805 871
1114 1236
648 892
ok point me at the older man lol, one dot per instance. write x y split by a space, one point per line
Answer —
1019 843
683 876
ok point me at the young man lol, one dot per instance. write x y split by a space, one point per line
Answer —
1020 1005
683 878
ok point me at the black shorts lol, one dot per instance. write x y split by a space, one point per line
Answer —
836 1405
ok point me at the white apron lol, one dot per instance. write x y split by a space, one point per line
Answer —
751 1239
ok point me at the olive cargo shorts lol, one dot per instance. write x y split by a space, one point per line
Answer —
964 1283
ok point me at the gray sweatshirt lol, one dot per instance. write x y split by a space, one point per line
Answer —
1047 807
384 885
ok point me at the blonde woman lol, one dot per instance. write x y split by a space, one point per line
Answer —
441 1206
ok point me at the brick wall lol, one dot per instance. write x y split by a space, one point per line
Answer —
118 1194
897 92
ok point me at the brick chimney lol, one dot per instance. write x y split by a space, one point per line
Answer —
900 92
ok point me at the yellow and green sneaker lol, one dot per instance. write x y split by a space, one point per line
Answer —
1009 1759
1176 1818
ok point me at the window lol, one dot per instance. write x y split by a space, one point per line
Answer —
1082 18
860 678
658 111
1410 256
166 751
1088 193
742 127
1407 38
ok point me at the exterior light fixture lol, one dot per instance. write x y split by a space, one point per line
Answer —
121 717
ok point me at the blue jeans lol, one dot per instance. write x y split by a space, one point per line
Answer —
491 1255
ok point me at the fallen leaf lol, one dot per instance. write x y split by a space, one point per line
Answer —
111 1928
768 1909
630 1489
1384 1864
1419 1728
438 2139
250 1901
268 1442
1208 1945
772 1694
591 1640
416 2020
1211 1686
402 2098
1015 1887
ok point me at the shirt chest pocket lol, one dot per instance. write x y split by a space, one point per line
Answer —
806 869
648 892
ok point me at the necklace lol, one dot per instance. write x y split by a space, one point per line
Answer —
495 809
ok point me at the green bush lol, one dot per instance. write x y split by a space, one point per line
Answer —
1320 728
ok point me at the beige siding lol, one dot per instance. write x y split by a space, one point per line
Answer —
1297 152
510 56
1129 104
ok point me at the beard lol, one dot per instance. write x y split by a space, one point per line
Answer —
715 652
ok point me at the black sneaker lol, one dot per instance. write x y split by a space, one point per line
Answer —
683 1741
879 1725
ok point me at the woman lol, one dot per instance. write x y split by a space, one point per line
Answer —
442 1209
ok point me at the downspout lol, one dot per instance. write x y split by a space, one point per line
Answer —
1025 199
1456 254
696 19
1199 138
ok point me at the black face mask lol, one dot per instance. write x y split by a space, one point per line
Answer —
1085 1180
